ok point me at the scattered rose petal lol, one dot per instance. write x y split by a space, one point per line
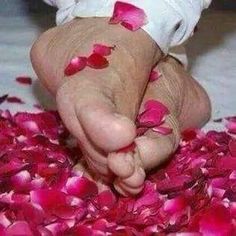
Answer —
102 50
231 124
162 130
14 100
154 75
153 115
130 16
24 80
76 64
97 61
129 148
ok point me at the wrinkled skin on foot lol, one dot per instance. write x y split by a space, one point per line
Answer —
99 107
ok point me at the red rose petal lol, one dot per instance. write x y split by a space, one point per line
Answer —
156 105
216 221
189 134
162 130
154 76
49 199
228 163
2 231
153 115
14 100
102 50
81 187
232 147
129 148
21 180
81 230
176 184
41 194
24 80
150 118
97 61
175 205
106 199
130 16
76 64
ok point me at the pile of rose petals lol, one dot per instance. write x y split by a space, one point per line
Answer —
41 194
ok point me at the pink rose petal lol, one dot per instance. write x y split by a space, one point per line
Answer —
81 230
154 75
193 193
231 124
76 64
153 115
102 50
130 16
162 130
19 228
81 187
175 205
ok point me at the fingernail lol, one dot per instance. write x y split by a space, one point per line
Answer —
142 172
129 160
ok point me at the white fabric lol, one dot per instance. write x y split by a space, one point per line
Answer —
170 22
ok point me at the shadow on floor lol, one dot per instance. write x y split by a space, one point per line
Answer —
215 27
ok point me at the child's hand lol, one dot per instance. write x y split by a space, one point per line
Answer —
99 107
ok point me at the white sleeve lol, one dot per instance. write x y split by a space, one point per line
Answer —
170 22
